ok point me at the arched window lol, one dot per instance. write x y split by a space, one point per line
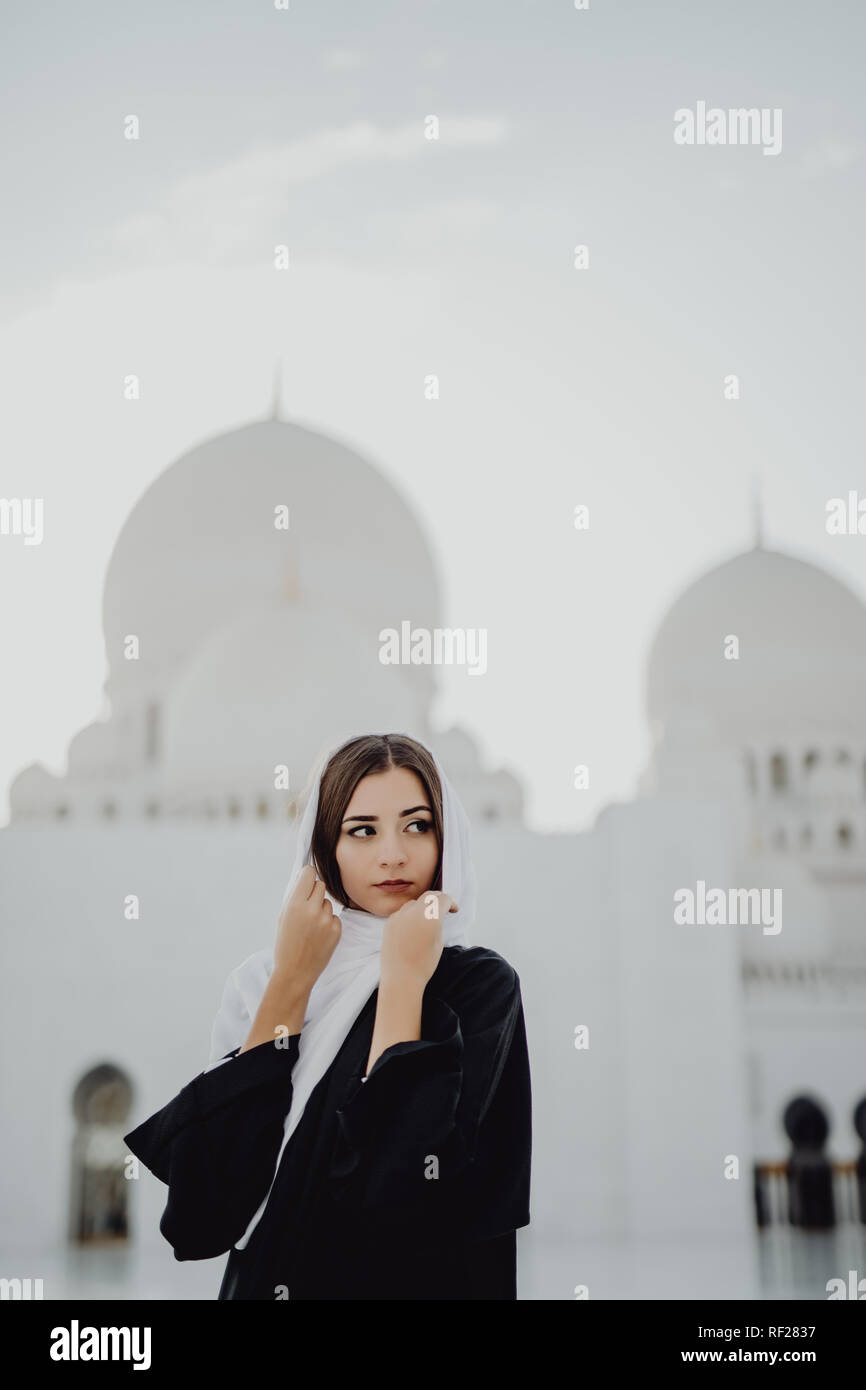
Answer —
778 772
100 1103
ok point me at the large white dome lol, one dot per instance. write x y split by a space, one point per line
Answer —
258 647
200 547
274 687
802 649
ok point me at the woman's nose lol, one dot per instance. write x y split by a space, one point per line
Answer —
391 851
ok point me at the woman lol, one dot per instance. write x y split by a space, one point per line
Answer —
363 1130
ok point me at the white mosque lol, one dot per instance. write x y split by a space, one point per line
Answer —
242 612
253 642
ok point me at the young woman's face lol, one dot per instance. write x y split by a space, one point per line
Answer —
387 833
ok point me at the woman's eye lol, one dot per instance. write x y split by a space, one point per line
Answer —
353 833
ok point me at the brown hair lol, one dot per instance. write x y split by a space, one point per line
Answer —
354 760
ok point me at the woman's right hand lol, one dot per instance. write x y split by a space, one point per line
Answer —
308 931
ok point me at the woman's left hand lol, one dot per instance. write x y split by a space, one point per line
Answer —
412 937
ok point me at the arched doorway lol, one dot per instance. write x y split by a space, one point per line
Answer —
99 1207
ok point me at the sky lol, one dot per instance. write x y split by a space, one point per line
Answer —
559 386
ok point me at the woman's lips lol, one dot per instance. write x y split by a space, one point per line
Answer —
392 887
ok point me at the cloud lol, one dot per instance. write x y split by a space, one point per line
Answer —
231 211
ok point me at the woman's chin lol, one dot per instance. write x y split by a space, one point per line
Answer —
386 904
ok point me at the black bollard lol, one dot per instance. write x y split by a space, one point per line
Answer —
810 1177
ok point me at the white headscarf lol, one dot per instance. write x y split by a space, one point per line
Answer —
353 971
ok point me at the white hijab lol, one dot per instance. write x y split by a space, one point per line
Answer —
352 973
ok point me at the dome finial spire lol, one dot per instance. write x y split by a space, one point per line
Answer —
757 515
278 389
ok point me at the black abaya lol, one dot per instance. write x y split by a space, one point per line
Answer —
409 1185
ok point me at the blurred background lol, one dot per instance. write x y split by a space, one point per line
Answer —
319 321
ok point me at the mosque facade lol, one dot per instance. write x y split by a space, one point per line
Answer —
242 613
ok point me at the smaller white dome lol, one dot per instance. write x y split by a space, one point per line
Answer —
802 649
91 750
33 791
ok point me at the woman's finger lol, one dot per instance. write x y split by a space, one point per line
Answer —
304 884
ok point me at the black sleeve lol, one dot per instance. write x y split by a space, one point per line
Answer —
411 1138
216 1145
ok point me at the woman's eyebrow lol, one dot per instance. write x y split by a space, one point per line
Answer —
402 813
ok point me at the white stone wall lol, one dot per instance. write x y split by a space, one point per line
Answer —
630 1135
